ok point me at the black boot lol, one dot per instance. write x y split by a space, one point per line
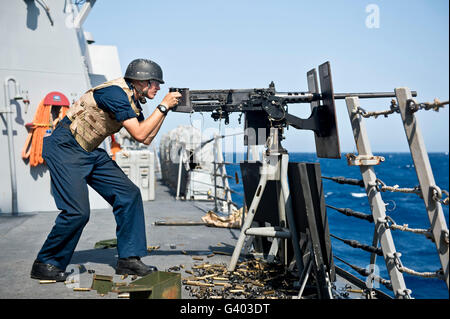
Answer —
133 266
47 272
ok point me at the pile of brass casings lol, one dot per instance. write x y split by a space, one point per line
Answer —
251 279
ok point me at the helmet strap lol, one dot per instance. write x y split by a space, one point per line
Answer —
141 94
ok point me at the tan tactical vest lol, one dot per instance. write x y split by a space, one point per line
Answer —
90 124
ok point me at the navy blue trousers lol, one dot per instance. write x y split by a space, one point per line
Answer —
71 170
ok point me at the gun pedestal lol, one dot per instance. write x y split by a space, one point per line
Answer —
274 168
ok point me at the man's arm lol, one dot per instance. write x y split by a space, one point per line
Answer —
141 131
155 131
146 130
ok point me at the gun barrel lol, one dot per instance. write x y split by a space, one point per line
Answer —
298 97
307 97
371 95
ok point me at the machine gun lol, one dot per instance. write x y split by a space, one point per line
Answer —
265 108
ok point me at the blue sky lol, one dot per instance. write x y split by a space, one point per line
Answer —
246 44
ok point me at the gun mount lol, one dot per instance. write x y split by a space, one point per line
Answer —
265 108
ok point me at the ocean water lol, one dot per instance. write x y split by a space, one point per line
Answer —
418 252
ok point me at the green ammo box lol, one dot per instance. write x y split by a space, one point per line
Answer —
157 285
103 284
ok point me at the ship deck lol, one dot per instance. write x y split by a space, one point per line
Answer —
22 236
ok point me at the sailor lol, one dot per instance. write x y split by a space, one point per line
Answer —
75 161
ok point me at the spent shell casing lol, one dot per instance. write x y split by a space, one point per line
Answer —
234 291
221 278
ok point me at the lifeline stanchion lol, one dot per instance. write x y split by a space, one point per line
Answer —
218 158
425 176
381 233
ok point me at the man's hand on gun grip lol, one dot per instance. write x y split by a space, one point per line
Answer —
171 99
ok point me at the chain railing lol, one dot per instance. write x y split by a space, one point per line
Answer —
411 103
375 186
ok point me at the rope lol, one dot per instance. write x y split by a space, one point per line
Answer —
437 192
381 186
364 272
395 226
411 230
393 109
357 244
411 104
344 180
350 212
439 274
435 105
42 121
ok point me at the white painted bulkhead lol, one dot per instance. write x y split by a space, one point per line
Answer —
43 52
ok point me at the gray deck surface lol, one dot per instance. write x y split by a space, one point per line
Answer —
21 238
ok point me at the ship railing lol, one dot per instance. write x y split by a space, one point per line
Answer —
427 190
220 172
222 192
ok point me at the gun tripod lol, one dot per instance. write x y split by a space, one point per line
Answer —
315 256
274 168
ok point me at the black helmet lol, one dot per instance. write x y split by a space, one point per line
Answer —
144 70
